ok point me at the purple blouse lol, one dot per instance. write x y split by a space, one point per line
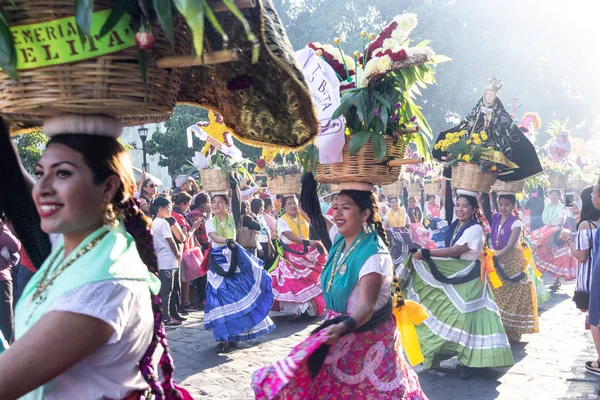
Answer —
500 235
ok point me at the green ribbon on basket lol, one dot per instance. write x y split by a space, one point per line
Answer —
56 42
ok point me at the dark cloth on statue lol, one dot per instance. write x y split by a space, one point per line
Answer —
504 136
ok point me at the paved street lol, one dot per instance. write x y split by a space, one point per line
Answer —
549 365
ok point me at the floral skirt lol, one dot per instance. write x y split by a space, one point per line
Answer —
517 301
551 257
297 282
366 365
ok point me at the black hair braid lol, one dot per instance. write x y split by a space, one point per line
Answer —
309 202
139 227
17 204
487 207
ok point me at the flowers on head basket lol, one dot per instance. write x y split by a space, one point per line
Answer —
502 187
378 86
284 178
395 189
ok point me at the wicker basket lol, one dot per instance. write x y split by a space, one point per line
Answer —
290 184
557 181
414 189
364 166
577 184
433 188
508 187
109 85
468 176
214 180
396 189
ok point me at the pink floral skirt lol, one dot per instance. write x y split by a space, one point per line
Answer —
365 365
558 260
296 282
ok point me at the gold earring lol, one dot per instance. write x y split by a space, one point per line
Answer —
110 218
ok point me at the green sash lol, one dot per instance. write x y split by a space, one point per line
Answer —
114 258
347 276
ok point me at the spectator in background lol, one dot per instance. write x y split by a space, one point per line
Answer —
594 305
9 257
535 205
250 221
266 250
148 192
167 254
270 216
185 183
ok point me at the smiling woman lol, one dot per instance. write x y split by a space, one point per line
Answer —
85 192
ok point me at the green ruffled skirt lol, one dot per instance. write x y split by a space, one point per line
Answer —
464 320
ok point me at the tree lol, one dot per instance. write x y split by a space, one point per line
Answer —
171 144
30 148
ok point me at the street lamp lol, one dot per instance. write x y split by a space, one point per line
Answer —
143 132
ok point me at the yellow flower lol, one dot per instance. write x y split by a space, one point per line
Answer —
356 54
484 136
448 135
455 140
337 40
494 168
467 158
477 141
460 156
469 141
437 145
475 136
372 36
363 34
463 133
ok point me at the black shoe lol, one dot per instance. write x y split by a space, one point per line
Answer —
183 311
222 347
464 372
178 317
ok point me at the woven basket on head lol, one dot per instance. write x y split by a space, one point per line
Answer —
433 188
290 184
577 184
468 176
364 166
109 85
394 190
414 189
214 180
557 181
508 187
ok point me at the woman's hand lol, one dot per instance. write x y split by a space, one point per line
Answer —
565 234
418 254
334 332
178 256
197 224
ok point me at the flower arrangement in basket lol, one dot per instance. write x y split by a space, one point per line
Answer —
558 173
284 178
215 171
379 86
475 165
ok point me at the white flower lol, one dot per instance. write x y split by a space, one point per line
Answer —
199 161
429 51
399 35
407 22
384 64
389 44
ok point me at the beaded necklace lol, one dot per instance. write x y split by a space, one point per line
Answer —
339 265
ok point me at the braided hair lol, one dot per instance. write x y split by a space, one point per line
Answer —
106 157
309 202
366 201
17 204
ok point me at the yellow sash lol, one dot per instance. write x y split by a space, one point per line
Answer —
298 225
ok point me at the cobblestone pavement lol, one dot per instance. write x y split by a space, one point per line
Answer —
548 365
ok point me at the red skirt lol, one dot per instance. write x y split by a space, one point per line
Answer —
556 259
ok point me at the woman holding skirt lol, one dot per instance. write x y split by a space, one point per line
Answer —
296 284
356 353
464 318
516 298
238 292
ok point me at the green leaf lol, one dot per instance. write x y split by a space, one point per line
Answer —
8 53
440 58
361 109
346 102
143 61
114 17
215 23
358 140
165 17
382 100
379 146
83 16
424 43
384 117
249 34
193 13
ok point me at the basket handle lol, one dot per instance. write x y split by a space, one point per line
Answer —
215 57
398 162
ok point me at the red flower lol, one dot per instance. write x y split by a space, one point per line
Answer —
144 40
386 33
260 163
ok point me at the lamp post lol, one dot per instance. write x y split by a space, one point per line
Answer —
143 132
